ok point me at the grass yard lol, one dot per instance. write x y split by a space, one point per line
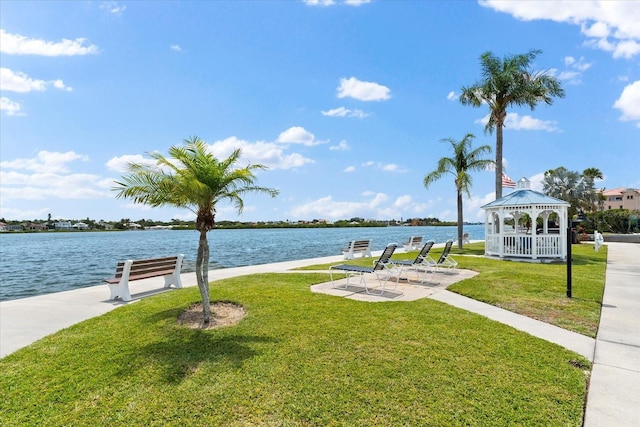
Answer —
296 359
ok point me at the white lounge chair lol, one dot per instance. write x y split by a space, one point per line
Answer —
445 261
421 264
383 268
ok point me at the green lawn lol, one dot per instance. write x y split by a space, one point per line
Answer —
534 290
296 359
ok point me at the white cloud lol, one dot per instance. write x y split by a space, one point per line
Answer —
536 181
374 205
20 82
609 25
389 167
363 91
492 166
113 7
11 108
333 2
452 96
45 162
298 135
40 186
576 67
59 84
320 2
51 178
516 122
175 47
392 167
629 103
16 44
579 64
269 154
349 169
341 146
326 207
345 112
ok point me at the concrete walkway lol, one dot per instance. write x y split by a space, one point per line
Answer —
614 391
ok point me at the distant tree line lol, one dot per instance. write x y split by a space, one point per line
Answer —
177 224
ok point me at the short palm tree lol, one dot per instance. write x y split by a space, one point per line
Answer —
505 83
194 179
593 197
464 160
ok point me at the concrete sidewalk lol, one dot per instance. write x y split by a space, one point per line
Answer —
614 390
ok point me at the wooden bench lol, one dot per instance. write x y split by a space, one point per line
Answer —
413 244
362 247
130 270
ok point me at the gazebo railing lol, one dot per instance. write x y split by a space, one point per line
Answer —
521 245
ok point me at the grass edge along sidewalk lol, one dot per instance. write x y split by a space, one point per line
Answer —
297 358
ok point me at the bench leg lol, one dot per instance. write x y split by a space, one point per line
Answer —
121 290
173 279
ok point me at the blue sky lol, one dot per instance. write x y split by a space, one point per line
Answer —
346 102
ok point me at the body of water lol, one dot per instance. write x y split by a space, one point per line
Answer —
40 263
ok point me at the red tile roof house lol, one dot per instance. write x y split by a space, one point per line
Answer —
622 198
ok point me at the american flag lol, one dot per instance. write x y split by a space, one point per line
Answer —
507 182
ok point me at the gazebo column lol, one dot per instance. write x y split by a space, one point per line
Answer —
534 244
545 222
563 224
501 232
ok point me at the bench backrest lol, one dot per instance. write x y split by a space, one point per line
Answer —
359 245
145 266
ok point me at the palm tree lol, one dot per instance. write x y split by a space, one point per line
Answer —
573 187
592 197
463 161
505 83
194 179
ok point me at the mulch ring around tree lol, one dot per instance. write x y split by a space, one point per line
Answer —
223 313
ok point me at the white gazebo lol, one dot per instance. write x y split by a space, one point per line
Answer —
512 229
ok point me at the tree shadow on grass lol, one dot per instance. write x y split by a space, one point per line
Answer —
183 352
176 352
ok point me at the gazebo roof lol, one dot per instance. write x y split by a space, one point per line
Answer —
525 196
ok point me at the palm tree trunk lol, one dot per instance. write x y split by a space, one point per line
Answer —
499 160
202 274
460 219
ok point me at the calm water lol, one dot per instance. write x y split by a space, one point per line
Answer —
40 263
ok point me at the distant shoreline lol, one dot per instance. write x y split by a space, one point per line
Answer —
243 226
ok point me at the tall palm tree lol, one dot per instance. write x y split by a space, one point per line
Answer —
194 179
507 82
464 160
